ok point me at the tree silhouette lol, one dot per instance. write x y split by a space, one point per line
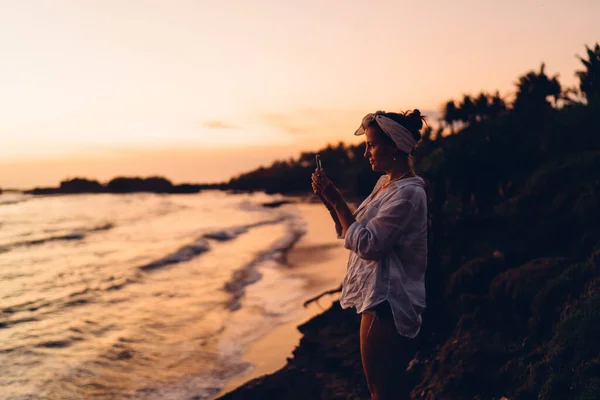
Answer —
497 105
589 79
482 106
534 89
467 110
450 115
471 109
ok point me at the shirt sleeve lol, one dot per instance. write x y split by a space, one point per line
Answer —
371 241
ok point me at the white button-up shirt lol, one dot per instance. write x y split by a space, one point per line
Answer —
388 259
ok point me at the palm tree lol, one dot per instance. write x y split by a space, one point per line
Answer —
533 90
589 79
450 115
482 106
466 111
497 105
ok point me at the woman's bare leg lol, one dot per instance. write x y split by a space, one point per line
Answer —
384 359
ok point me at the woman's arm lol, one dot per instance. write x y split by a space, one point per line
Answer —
334 201
371 241
338 226
340 206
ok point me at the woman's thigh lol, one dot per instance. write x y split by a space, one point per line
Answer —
385 353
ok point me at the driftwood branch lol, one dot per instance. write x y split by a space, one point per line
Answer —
316 298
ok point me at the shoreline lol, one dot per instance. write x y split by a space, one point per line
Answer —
271 353
326 364
320 260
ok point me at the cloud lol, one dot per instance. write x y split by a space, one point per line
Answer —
216 124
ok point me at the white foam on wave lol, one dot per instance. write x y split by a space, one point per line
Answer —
233 232
77 234
202 245
185 253
276 254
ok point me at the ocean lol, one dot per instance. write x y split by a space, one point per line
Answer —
139 296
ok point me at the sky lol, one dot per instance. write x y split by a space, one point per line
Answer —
200 91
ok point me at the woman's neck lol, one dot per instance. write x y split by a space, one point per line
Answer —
399 171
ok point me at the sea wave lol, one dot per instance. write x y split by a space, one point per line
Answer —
77 234
10 199
77 291
10 202
249 273
202 245
184 253
12 314
233 232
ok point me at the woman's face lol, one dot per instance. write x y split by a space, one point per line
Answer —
379 153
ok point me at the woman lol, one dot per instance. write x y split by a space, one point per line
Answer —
387 237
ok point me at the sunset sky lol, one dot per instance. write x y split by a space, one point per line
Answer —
202 90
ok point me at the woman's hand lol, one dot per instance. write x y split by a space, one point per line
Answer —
324 188
333 200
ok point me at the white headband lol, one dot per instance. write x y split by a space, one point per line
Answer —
401 136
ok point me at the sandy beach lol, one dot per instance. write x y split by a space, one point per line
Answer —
320 259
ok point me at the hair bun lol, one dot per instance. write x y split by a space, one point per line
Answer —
416 120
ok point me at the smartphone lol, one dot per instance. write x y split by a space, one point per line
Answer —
318 160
